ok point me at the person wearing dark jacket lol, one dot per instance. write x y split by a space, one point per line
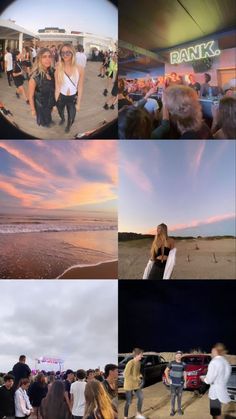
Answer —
7 404
21 370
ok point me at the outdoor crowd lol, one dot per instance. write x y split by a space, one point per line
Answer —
170 108
89 394
55 77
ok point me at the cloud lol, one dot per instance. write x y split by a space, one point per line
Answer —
56 322
134 172
59 175
15 152
197 223
197 155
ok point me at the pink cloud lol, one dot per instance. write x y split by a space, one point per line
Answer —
134 171
196 223
197 156
23 158
26 199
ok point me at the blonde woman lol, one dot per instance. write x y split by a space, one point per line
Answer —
161 247
69 84
97 402
182 109
42 88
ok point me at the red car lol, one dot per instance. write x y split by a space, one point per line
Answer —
196 365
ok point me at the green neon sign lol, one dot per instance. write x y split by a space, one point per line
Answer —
196 52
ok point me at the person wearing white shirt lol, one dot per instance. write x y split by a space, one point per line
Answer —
23 408
217 377
77 395
81 58
8 65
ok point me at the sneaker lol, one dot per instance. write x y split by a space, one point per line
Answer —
140 417
105 91
112 107
99 75
106 106
172 413
180 412
17 95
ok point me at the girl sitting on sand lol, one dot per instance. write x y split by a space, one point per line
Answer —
160 250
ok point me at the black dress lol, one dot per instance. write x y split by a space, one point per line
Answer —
44 98
18 80
158 268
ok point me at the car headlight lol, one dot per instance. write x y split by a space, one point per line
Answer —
190 373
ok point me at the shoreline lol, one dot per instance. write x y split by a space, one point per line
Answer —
100 270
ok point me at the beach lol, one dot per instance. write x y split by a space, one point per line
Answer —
46 248
106 270
194 259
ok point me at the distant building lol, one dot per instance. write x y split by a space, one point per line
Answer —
56 36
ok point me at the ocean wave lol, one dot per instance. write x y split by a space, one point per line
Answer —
53 228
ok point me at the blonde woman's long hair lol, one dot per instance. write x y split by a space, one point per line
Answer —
61 65
160 241
98 401
37 66
184 107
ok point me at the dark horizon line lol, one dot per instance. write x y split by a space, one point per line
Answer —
149 235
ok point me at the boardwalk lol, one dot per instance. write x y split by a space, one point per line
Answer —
91 115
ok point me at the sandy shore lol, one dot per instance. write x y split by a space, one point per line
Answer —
107 270
195 258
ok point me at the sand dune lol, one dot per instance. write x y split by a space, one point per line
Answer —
196 258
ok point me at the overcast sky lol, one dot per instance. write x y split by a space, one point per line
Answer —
72 320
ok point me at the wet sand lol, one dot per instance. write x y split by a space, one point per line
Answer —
48 255
107 270
194 260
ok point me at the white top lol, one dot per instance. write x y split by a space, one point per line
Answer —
8 59
217 376
22 403
68 86
170 263
81 59
77 389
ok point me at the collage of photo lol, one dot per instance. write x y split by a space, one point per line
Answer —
117 209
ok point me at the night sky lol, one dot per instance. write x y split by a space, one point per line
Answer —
168 316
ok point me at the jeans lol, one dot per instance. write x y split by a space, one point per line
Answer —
67 102
176 391
128 395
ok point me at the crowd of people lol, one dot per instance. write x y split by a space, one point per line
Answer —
217 377
55 80
90 394
167 107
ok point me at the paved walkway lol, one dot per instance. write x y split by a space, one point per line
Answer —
90 117
157 405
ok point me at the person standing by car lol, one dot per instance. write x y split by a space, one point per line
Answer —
217 376
177 378
132 382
